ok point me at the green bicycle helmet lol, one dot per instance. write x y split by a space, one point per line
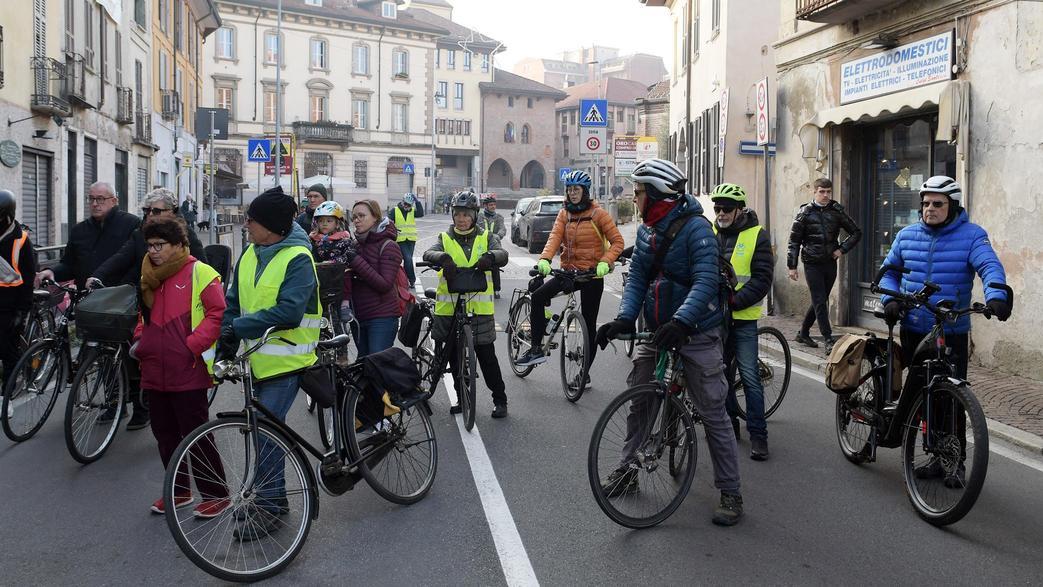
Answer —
729 193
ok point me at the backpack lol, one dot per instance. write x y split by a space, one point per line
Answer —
405 296
729 280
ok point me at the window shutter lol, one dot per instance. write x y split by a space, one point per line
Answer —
40 28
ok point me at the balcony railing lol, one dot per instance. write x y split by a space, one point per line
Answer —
76 81
171 104
838 11
124 105
49 86
143 128
322 132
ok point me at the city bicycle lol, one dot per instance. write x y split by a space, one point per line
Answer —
774 364
96 399
936 420
255 468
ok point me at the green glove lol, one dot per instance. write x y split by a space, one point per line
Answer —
603 269
543 267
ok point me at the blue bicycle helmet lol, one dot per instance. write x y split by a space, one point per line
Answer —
582 179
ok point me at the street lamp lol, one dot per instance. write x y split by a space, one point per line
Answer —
435 96
597 159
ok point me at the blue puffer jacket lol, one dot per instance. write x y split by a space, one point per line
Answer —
949 257
687 290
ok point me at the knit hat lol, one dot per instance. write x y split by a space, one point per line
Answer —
319 188
273 210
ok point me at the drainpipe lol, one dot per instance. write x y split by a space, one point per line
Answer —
259 12
688 99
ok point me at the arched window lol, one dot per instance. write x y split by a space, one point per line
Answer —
508 133
526 135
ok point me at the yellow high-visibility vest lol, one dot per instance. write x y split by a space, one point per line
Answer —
202 276
480 304
742 261
406 225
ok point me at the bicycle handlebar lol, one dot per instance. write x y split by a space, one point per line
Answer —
232 368
943 310
636 336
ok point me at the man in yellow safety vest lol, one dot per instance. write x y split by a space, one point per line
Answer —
404 216
747 245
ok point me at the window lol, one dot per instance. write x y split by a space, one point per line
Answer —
485 63
70 26
361 174
440 126
360 113
389 10
572 117
163 6
225 43
269 105
318 164
695 31
178 29
313 3
508 133
458 96
564 124
619 114
510 101
716 15
360 63
318 108
528 102
467 61
163 71
526 135
319 54
400 117
442 94
88 24
225 99
119 59
103 46
565 146
139 87
140 18
271 48
400 63
450 58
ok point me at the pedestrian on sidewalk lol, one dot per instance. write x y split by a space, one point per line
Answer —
814 238
188 211
374 272
181 306
747 245
492 221
404 216
316 195
17 268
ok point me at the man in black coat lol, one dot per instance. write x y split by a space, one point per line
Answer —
17 268
814 237
316 195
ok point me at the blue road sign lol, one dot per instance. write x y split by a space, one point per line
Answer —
593 113
259 150
408 168
563 172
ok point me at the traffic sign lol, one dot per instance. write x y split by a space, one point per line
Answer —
284 144
259 150
286 168
763 131
563 172
408 168
592 141
593 113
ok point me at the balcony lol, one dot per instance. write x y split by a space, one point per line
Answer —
76 81
322 132
143 129
839 11
124 105
171 104
49 86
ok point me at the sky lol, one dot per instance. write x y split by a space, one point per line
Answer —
545 28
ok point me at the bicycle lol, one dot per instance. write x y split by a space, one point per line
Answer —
663 444
775 365
432 357
937 420
96 400
575 343
44 369
240 454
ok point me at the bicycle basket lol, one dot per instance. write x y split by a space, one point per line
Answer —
331 282
467 281
108 314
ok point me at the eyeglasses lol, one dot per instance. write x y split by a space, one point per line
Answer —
357 216
724 209
98 199
935 203
157 247
154 211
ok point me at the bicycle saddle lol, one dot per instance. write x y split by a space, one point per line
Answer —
335 342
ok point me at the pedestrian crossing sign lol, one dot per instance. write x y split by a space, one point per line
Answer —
259 150
593 113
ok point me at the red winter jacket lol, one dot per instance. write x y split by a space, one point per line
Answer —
169 351
373 272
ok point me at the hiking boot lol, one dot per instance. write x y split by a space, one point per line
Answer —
622 481
180 501
455 409
806 340
729 511
139 420
500 411
957 479
211 508
759 448
531 357
736 427
932 470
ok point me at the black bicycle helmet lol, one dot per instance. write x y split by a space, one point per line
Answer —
8 207
467 200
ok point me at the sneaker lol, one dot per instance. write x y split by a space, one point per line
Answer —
830 341
729 511
736 427
139 420
806 340
532 357
257 525
932 470
211 508
957 479
500 411
622 481
496 295
455 409
180 501
759 448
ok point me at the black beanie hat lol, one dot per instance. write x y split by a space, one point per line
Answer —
319 188
273 210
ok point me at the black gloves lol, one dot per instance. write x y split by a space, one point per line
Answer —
227 344
485 262
892 312
1000 309
671 335
611 330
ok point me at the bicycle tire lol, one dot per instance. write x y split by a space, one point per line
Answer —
28 386
678 447
84 399
468 374
519 333
201 539
424 355
774 387
598 464
854 430
409 448
211 394
326 433
951 455
575 348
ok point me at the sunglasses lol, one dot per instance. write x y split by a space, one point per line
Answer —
935 203
154 211
724 209
157 247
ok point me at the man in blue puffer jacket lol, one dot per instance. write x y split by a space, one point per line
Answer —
682 303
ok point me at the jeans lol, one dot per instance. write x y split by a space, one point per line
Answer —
741 351
589 303
376 335
407 260
277 395
820 278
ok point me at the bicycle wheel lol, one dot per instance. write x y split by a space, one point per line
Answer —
854 416
39 324
400 450
775 365
945 454
468 383
211 394
264 526
677 445
574 354
32 389
636 491
95 406
424 356
519 335
325 418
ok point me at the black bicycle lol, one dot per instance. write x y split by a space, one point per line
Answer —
774 365
936 420
251 468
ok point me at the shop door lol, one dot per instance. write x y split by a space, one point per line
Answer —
36 196
90 171
122 179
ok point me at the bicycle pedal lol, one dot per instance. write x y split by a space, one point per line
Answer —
553 346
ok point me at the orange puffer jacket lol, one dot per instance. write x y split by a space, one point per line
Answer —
581 245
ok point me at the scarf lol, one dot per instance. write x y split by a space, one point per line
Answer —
656 211
152 276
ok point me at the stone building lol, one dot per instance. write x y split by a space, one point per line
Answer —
653 115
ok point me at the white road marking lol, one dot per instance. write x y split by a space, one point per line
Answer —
517 569
523 261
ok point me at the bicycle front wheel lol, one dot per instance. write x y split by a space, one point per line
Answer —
254 501
774 367
467 386
325 418
95 406
32 389
424 356
519 335
629 476
945 453
574 354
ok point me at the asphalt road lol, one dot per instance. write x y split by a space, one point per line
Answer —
811 517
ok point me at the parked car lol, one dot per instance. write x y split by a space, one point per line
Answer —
535 225
516 214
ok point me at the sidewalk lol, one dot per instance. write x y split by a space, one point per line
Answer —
1013 405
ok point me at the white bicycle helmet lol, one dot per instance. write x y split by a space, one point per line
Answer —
661 174
942 184
330 208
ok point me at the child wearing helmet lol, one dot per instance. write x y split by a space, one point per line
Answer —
332 242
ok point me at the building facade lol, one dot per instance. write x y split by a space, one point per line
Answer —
578 66
879 97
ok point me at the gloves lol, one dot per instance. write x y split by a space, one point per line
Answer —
671 335
603 269
1000 308
485 262
611 330
227 344
892 312
93 283
544 268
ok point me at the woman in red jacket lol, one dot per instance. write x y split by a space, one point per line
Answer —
182 304
374 268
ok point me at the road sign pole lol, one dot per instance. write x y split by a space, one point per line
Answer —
278 94
213 185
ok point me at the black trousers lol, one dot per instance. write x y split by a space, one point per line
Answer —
486 355
820 278
942 407
496 279
589 301
9 339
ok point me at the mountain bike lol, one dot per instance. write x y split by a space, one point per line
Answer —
256 462
937 421
774 364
